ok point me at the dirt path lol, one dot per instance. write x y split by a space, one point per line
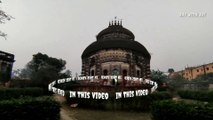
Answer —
65 113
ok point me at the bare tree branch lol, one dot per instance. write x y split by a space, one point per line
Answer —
3 18
3 35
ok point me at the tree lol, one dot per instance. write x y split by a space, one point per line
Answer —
3 18
66 74
158 76
171 70
177 81
43 69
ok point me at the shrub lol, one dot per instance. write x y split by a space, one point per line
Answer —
197 95
9 93
160 96
170 110
29 108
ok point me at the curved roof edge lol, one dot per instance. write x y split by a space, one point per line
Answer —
123 44
115 29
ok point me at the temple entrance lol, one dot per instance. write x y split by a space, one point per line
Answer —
105 81
92 73
124 74
105 72
115 72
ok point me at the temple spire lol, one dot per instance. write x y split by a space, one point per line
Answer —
121 22
115 22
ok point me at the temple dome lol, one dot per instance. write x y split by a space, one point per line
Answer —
115 36
115 31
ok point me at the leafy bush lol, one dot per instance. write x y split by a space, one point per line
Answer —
170 110
160 96
29 108
197 95
9 93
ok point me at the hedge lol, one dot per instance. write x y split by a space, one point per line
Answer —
197 95
171 110
135 103
30 108
9 93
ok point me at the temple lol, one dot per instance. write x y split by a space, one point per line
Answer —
115 52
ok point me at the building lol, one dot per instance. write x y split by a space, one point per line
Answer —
6 64
115 52
191 73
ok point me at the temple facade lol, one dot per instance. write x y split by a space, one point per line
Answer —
115 52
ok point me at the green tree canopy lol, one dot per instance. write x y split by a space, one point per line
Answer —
158 76
43 69
171 70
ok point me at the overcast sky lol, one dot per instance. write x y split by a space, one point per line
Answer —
64 28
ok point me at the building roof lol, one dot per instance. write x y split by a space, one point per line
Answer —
115 36
6 56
